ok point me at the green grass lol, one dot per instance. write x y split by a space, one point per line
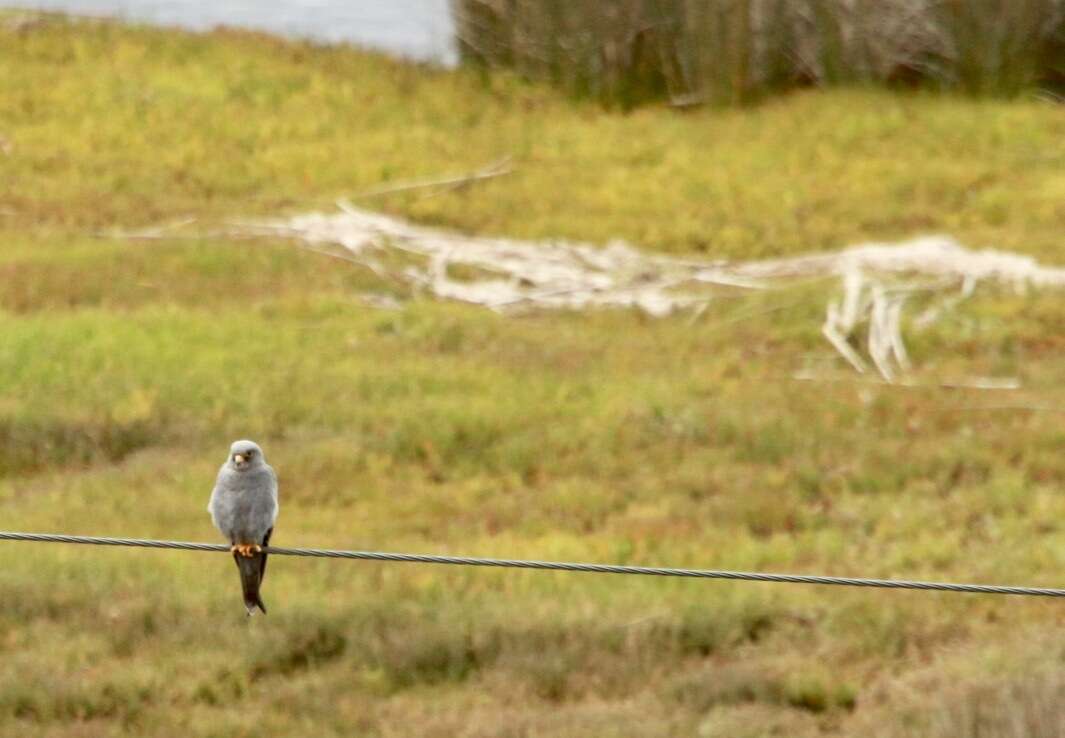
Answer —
128 367
111 126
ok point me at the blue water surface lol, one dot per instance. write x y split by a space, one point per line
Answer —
419 29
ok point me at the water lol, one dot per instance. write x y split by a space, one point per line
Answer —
419 29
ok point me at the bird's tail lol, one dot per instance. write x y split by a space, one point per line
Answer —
251 576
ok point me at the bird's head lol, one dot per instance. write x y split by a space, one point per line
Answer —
244 455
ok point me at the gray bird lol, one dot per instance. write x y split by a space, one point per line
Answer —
244 507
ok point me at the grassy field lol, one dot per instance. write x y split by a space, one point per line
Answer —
126 368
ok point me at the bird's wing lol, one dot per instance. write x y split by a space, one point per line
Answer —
260 514
273 496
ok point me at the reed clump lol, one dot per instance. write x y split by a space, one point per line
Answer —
732 51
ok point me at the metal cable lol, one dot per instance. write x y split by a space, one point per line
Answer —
550 565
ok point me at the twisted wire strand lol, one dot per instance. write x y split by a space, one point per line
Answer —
551 565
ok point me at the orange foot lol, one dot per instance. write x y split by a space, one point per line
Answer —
246 549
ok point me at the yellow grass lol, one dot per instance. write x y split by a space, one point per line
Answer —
126 369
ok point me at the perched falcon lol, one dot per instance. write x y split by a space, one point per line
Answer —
244 507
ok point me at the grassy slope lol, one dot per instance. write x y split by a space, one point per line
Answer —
127 367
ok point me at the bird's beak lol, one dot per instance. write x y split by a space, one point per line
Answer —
239 459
